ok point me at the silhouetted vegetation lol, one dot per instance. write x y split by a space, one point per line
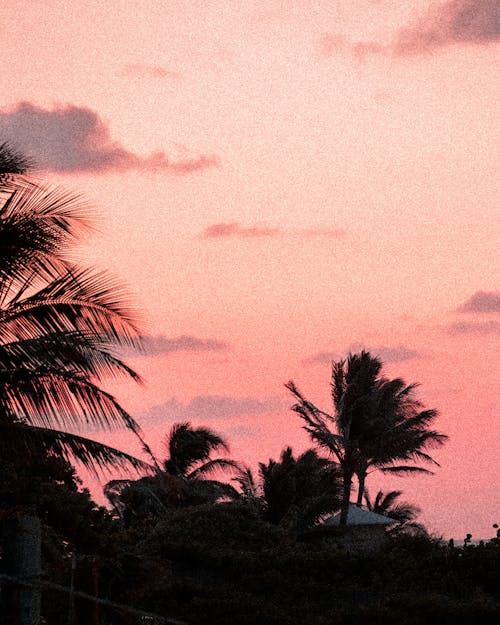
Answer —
180 541
377 423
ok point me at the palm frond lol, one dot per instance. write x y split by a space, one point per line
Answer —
67 351
188 446
95 456
211 466
83 301
404 469
53 398
12 161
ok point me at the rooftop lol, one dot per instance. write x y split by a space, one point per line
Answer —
360 516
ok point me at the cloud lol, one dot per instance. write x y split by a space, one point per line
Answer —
211 407
363 49
235 230
448 23
333 43
480 328
386 354
142 70
154 345
240 431
454 22
72 139
482 302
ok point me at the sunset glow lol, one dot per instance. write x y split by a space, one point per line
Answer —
279 184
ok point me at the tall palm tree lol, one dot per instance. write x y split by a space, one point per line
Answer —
293 492
376 424
60 327
180 479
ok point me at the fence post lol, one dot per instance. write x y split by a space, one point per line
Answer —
21 558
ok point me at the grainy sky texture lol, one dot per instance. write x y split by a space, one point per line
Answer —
280 182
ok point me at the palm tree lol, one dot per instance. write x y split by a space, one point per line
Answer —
180 479
293 492
405 513
190 449
60 327
376 424
12 163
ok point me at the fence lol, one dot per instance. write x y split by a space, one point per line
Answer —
22 586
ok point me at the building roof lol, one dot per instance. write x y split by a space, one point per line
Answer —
360 516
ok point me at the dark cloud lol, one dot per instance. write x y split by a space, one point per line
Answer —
72 139
154 345
480 328
210 407
142 70
237 231
482 302
452 22
386 354
456 21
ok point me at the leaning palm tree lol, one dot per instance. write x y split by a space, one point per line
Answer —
376 424
60 328
180 479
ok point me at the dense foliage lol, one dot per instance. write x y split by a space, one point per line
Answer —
222 563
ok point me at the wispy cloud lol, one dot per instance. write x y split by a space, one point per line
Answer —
235 230
240 431
155 345
444 24
143 70
331 44
211 407
479 328
399 353
454 22
482 302
72 139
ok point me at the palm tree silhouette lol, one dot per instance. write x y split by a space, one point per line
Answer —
387 505
293 492
180 479
190 450
60 327
377 424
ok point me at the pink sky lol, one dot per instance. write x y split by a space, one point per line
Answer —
279 183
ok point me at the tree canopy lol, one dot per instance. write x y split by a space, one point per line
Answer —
377 423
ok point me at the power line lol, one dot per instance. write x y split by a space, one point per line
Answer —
18 581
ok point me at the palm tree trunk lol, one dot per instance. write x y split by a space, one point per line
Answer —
346 496
361 488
